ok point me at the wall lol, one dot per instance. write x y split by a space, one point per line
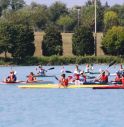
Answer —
67 44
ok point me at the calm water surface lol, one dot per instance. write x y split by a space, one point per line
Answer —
59 107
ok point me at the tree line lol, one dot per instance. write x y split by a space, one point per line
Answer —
18 21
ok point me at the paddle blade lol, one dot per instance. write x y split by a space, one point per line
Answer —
68 71
56 78
112 63
51 68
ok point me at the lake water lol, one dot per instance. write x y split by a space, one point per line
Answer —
59 107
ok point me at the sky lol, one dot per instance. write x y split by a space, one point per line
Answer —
71 3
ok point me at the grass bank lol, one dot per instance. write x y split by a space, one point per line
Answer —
57 60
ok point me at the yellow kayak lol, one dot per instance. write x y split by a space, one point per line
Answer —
50 86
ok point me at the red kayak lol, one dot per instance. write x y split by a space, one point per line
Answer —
117 86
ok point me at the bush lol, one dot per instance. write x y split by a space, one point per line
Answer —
52 42
83 42
113 41
17 40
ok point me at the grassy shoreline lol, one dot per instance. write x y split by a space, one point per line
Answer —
62 60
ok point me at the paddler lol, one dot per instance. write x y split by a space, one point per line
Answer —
82 77
77 70
63 70
103 78
76 76
87 69
122 78
118 78
31 77
63 82
41 71
11 78
121 68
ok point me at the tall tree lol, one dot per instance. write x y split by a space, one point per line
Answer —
88 15
119 9
4 37
16 4
83 42
56 10
52 42
39 17
17 40
65 21
110 19
4 4
113 41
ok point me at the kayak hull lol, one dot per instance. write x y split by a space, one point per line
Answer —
24 82
50 86
110 87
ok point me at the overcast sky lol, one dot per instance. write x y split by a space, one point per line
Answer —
71 3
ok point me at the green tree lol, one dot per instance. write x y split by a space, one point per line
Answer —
21 39
21 16
110 19
56 10
39 17
36 16
83 42
113 41
65 21
12 4
88 16
119 9
17 40
4 4
4 37
16 4
52 42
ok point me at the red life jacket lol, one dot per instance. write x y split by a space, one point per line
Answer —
122 80
77 76
117 79
104 78
64 82
30 78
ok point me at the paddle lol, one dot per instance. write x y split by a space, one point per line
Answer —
51 68
47 69
68 71
112 63
56 78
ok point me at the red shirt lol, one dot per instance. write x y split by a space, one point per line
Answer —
104 78
30 78
77 76
117 79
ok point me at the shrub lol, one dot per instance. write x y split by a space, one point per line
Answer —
83 42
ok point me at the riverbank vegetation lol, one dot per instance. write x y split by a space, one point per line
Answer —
19 21
57 60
